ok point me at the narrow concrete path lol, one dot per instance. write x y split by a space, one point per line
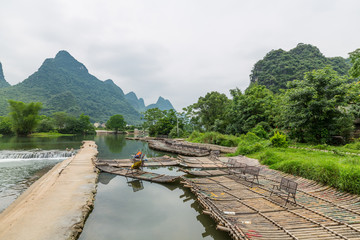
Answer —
55 206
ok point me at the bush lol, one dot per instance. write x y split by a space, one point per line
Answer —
260 131
250 143
5 126
279 140
176 132
214 138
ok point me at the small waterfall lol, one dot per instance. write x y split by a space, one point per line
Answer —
34 155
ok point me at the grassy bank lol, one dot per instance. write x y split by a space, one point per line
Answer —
336 166
339 171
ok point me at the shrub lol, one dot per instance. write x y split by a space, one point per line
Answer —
176 133
250 143
214 138
260 131
279 140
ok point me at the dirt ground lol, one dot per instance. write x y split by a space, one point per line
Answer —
55 206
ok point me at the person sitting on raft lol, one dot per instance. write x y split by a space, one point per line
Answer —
138 154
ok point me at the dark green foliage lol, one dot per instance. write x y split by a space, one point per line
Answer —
3 82
355 60
46 124
250 143
247 110
116 123
24 117
214 138
64 84
279 140
82 125
138 104
279 67
316 107
211 111
5 126
164 124
260 131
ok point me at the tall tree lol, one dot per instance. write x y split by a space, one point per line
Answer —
247 110
24 116
355 60
116 122
316 108
211 111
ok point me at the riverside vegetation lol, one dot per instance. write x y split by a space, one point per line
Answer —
315 104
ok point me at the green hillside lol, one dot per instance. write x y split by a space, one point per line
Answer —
139 105
3 82
162 104
279 67
64 84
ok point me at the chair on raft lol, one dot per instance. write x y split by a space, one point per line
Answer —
138 162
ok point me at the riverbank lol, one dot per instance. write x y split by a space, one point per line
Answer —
56 206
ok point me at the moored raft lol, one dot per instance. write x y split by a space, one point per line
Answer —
139 174
164 161
178 148
202 162
247 212
205 173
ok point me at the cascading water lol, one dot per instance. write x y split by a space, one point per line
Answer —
9 156
19 169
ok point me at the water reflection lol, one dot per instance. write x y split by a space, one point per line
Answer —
115 142
136 185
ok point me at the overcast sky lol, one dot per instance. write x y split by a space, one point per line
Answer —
177 49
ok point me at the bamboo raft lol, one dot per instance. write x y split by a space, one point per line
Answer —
205 173
248 212
178 148
203 162
164 161
139 174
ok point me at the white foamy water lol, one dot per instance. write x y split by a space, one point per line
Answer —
19 169
13 156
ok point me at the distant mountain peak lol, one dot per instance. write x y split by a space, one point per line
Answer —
3 82
65 60
162 104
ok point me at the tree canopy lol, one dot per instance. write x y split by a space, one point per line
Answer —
24 116
316 105
116 122
279 67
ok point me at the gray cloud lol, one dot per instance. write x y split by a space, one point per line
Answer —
176 49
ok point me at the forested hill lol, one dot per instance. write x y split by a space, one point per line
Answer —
279 67
3 82
139 104
64 84
162 104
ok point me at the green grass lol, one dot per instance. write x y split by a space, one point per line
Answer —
214 138
339 171
50 134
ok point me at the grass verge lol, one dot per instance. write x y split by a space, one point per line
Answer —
337 170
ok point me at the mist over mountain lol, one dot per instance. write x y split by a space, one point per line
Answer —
64 84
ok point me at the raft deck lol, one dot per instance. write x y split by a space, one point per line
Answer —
248 212
139 174
164 161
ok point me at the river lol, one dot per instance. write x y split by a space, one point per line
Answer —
124 208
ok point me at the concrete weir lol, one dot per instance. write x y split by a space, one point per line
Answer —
55 206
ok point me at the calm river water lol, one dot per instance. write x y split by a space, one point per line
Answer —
124 208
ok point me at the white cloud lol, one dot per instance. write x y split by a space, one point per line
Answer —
177 49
